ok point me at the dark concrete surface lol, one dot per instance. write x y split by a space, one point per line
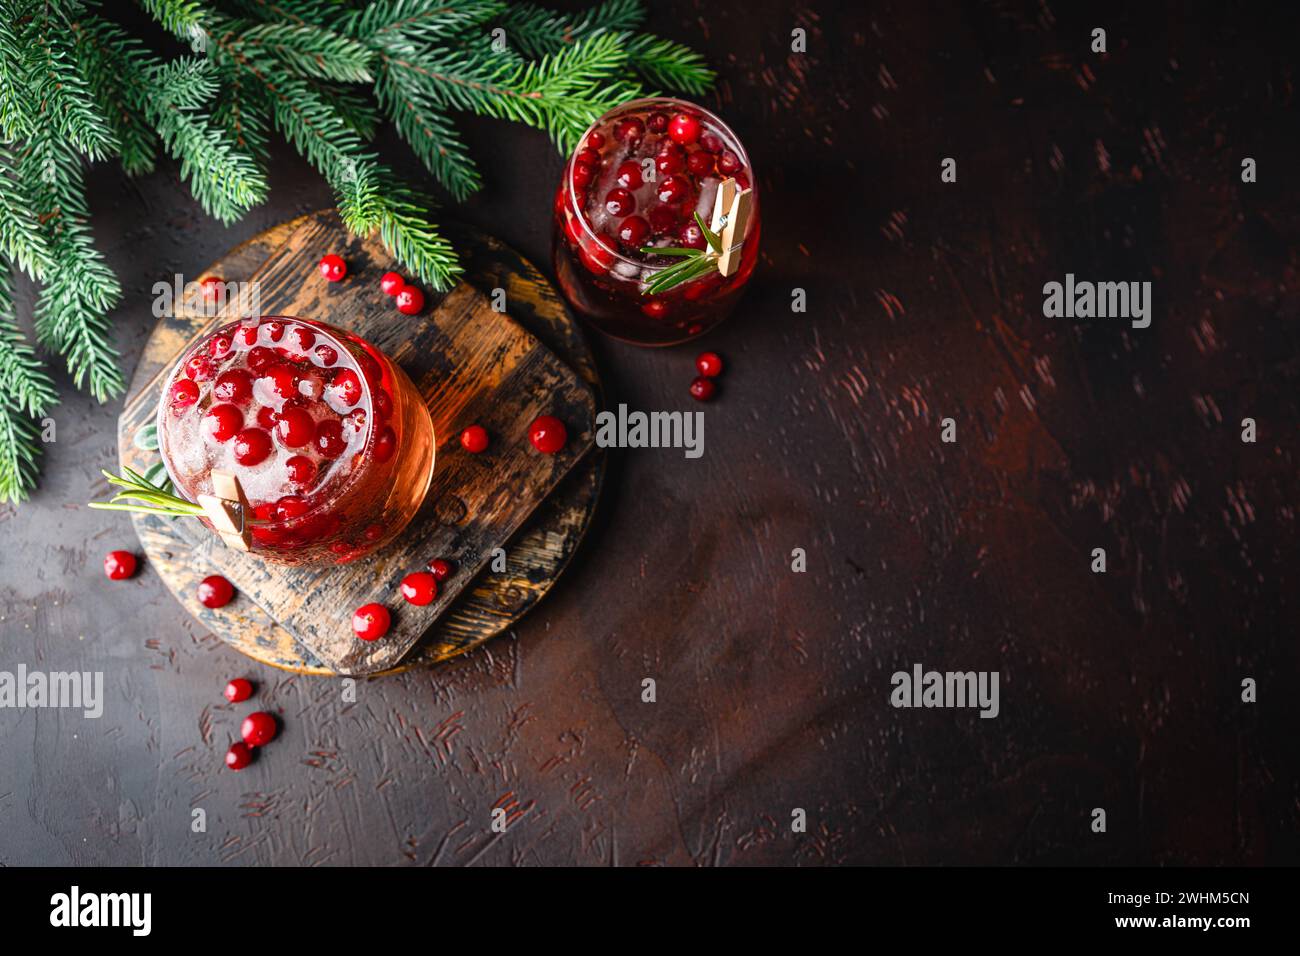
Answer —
1119 691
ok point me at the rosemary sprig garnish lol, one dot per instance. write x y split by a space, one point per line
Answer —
156 501
695 263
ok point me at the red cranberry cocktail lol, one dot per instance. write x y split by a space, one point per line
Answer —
637 179
330 441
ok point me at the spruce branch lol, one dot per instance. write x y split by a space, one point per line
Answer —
536 31
668 64
184 18
26 392
102 49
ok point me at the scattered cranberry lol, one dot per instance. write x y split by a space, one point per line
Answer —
371 622
633 230
702 389
222 421
239 689
281 380
233 385
184 392
259 729
474 439
252 445
266 418
247 335
391 283
220 346
200 368
215 591
410 300
119 565
420 588
274 329
326 355
333 268
619 202
294 427
441 568
301 339
709 364
301 470
260 358
711 142
629 175
211 287
290 507
684 128
548 434
239 756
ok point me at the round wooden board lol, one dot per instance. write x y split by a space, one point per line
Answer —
537 554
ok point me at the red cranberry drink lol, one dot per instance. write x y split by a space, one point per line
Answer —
330 441
638 178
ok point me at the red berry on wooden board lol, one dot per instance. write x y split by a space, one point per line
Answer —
215 591
684 128
391 283
474 439
442 568
370 622
119 565
238 690
709 364
239 756
259 729
420 588
333 268
702 389
410 300
548 434
211 287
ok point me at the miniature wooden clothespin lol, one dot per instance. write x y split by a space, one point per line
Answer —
228 510
731 208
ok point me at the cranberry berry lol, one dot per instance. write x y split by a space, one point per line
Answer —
239 689
658 122
252 445
258 729
119 565
222 421
684 128
301 470
699 163
391 283
410 300
629 175
420 588
548 434
441 568
239 756
294 427
233 385
184 392
691 235
709 364
333 268
329 440
702 389
728 163
619 202
673 190
633 230
370 622
474 439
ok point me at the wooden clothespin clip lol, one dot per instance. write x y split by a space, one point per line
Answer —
731 209
229 511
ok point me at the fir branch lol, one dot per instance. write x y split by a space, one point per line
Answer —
184 18
428 131
308 50
26 393
536 31
668 64
23 240
417 21
19 452
102 48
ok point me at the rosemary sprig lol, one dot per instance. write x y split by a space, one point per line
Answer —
695 263
137 488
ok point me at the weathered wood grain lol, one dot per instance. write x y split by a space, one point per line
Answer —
472 364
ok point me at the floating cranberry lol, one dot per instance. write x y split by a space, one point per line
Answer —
239 756
619 202
281 380
548 434
628 175
246 335
582 175
302 339
474 439
261 358
691 235
684 128
184 392
588 156
663 219
290 507
220 346
442 568
597 254
655 308
711 142
729 163
239 689
200 368
355 421
629 130
329 441
222 422
594 140
301 470
252 445
311 386
410 300
673 190
119 565
215 591
370 622
702 389
233 385
345 387
274 330
671 159
391 283
333 268
385 444
258 729
383 404
294 427
699 163
657 123
633 230
266 418
326 355
709 364
419 588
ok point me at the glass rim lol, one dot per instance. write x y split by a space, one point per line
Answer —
273 523
642 102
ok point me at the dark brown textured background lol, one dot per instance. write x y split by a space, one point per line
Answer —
1119 691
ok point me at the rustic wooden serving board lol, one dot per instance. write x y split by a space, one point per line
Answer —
472 364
